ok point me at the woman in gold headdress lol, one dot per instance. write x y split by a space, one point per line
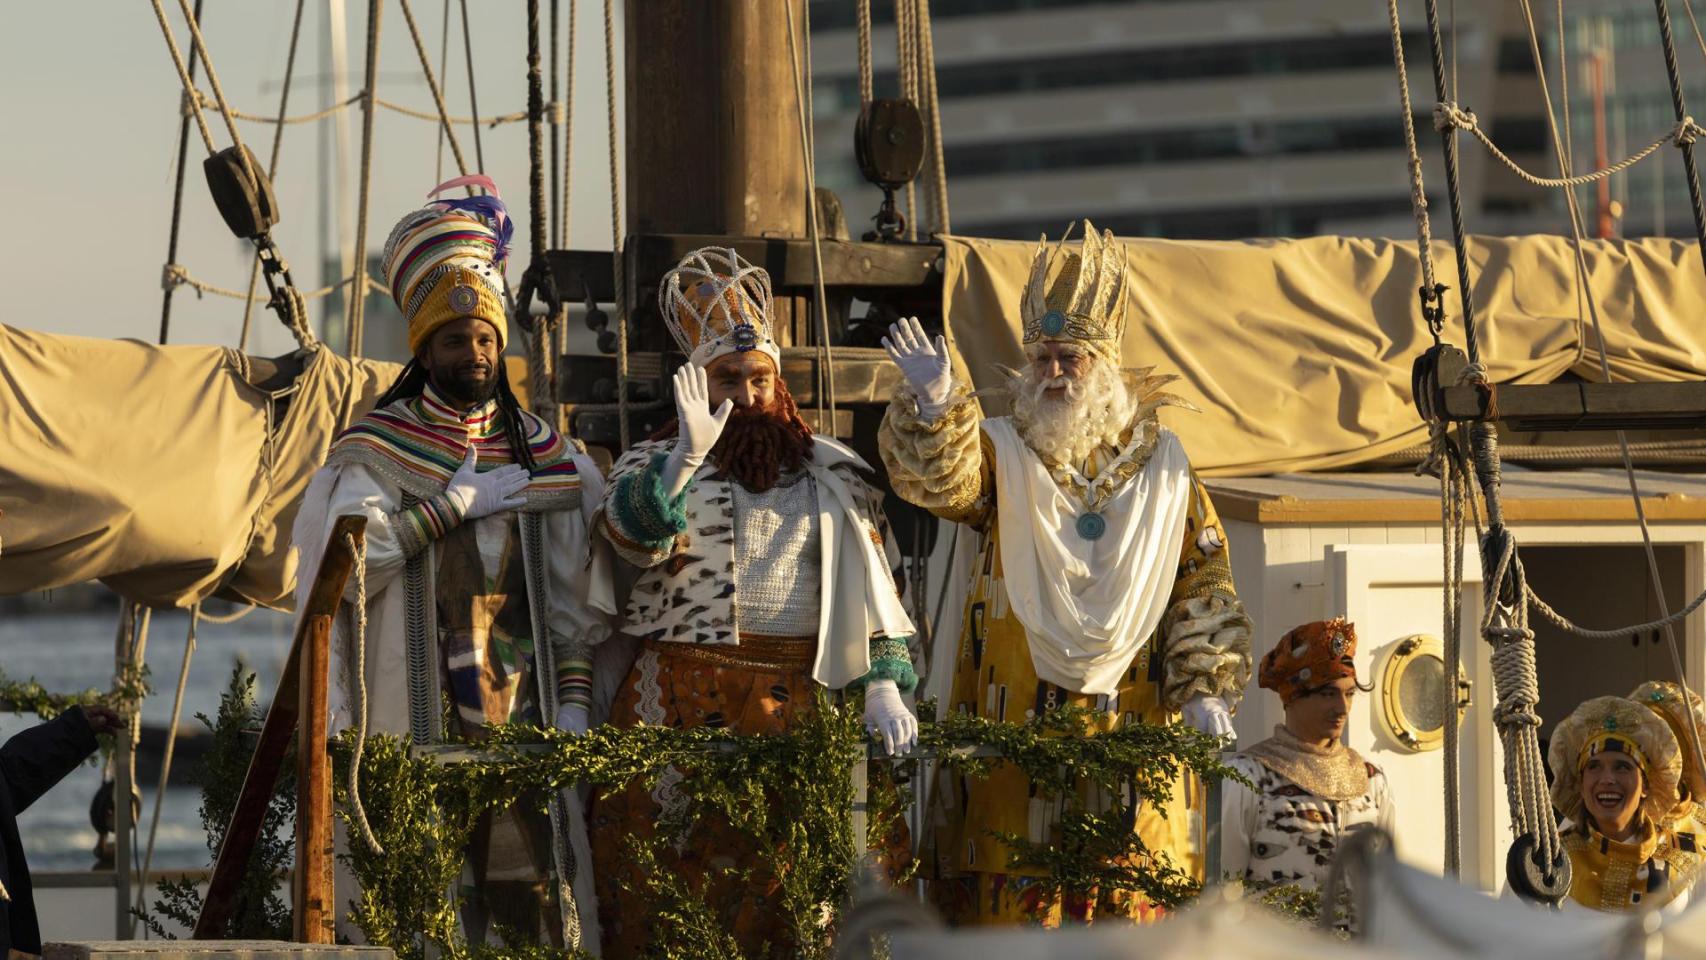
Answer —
1617 771
1667 699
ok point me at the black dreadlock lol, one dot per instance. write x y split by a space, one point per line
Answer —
413 380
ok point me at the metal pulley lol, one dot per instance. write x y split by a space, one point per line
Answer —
888 142
249 207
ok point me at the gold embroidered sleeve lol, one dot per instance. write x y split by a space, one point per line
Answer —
1206 629
943 465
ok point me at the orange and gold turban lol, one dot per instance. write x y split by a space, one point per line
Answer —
1309 657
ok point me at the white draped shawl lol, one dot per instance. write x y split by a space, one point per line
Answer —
1088 605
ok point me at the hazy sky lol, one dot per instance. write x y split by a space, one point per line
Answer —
90 137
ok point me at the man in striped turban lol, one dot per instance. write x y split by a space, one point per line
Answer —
485 593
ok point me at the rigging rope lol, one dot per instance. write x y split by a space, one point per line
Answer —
932 104
1448 141
1605 369
358 98
1699 38
863 16
1454 488
616 266
1449 116
176 275
166 760
231 617
287 121
200 45
358 299
474 94
802 93
272 169
1504 622
192 103
568 120
443 71
178 191
358 551
1430 290
538 280
1506 594
906 38
445 125
1673 73
556 107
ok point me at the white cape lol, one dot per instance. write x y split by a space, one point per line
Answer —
1088 605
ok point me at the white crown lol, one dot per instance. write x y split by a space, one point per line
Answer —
715 304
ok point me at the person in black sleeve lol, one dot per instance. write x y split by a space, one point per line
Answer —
30 764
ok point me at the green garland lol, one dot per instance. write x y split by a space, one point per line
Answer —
1066 754
28 696
790 793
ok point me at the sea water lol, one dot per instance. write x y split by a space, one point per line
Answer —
71 652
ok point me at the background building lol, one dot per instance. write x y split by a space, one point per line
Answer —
1243 118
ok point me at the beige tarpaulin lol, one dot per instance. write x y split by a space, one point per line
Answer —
1299 351
160 470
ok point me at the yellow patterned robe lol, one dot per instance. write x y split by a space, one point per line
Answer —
1657 868
948 467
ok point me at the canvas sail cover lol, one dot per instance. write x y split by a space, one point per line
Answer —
160 470
1299 351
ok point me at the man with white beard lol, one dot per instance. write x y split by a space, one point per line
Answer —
1102 580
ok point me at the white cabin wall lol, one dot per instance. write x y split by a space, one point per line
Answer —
1249 553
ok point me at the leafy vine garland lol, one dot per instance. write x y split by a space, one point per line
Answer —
789 793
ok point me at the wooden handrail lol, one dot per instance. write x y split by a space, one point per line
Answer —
311 643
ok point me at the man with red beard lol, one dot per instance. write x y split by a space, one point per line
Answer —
1102 580
763 578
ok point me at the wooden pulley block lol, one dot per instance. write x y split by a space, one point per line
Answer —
1532 880
1437 368
888 142
249 207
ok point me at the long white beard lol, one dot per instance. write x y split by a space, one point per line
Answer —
1097 408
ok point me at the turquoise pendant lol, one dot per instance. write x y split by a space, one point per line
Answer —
1091 526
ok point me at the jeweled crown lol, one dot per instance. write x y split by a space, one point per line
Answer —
715 303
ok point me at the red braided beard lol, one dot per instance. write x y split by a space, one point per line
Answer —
758 443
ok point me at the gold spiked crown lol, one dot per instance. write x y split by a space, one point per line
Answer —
1077 296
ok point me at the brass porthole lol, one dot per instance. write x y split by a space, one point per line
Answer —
1411 680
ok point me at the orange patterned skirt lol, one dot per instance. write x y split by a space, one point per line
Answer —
756 687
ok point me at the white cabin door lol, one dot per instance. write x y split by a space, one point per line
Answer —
1392 593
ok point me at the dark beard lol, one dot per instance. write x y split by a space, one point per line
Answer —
461 383
758 444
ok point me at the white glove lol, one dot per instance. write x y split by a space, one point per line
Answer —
480 494
699 427
1208 714
885 714
573 718
924 364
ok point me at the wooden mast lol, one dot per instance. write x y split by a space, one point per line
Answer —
713 143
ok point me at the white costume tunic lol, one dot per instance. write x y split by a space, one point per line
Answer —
570 591
1284 833
580 593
